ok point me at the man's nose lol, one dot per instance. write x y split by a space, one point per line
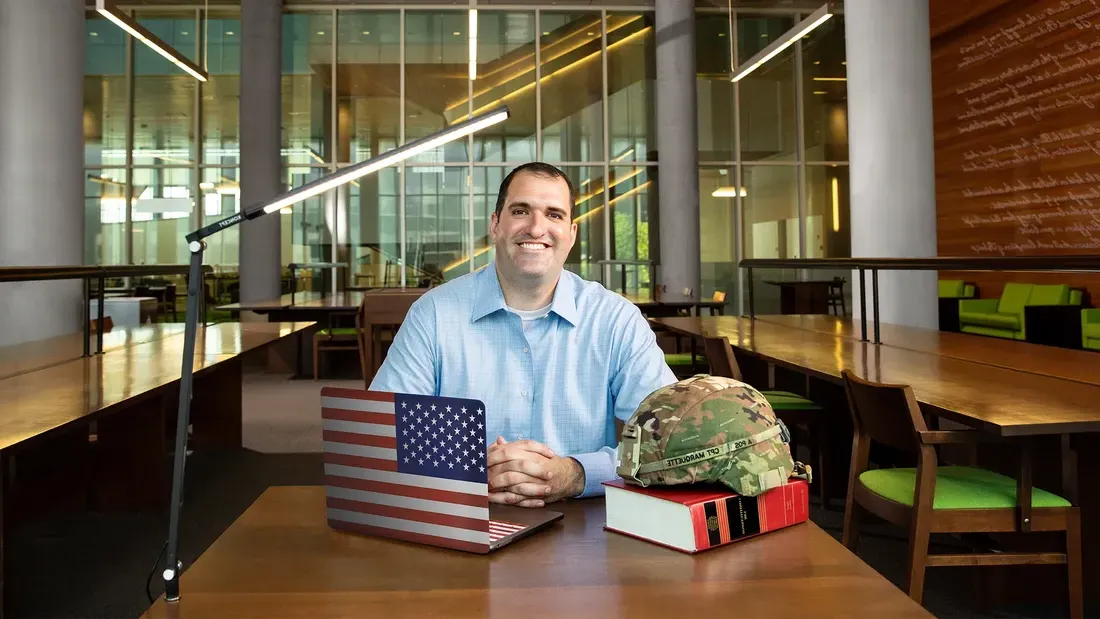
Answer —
536 225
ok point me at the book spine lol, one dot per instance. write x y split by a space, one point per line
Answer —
730 519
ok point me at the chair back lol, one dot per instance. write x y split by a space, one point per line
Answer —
885 413
721 359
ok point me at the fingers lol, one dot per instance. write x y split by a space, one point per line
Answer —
511 498
509 479
526 467
516 450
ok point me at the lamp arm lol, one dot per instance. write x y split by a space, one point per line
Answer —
173 566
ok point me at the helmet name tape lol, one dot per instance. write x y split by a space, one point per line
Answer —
710 452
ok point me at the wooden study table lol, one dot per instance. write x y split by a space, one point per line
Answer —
1077 365
280 559
1015 403
996 399
98 426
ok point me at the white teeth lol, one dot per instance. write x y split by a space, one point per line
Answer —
532 245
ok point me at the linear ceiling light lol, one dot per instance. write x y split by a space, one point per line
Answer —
815 19
473 44
396 155
107 9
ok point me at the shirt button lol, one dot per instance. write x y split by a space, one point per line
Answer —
524 349
523 393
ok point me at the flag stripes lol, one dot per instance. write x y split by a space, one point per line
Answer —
380 469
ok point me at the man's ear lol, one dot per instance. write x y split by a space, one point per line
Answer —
494 221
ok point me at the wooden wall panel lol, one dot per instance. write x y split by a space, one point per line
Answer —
1016 105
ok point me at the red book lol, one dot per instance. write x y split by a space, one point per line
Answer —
695 517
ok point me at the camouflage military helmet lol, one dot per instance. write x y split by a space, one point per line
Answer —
707 429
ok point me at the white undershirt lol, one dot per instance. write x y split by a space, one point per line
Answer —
529 316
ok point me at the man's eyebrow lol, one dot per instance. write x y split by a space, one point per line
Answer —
519 203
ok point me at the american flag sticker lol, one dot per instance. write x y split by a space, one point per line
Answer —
408 467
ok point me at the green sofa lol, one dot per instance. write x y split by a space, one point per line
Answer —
1004 317
1090 329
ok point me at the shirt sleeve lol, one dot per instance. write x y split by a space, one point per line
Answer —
411 363
640 370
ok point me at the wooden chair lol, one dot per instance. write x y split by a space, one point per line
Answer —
380 312
792 408
332 339
948 499
836 297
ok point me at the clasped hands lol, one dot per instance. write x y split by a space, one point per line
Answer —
529 474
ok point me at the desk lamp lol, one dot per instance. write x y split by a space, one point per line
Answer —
194 284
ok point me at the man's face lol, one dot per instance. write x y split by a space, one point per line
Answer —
535 232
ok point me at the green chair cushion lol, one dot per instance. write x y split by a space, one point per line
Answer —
957 487
1049 295
787 401
1091 330
1090 317
1014 298
1076 296
338 331
679 359
996 321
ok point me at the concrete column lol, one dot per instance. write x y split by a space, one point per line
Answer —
677 146
893 193
261 167
41 163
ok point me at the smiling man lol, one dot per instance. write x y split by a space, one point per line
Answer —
559 362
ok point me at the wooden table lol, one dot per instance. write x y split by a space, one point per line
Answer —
996 399
96 428
281 559
29 356
1027 405
1077 365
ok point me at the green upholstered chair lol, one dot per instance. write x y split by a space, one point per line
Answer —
792 408
950 499
682 364
1090 329
1004 317
955 289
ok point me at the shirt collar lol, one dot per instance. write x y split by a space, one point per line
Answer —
489 298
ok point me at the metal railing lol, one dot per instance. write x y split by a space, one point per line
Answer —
1058 264
100 273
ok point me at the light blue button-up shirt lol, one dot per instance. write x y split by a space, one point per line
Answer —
561 381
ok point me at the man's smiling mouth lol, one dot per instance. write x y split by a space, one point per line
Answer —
533 246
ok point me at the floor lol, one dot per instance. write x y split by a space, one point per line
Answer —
96 565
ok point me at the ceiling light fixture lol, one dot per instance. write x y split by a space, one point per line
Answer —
815 19
473 42
107 9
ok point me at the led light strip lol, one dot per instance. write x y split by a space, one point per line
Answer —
473 44
395 156
139 32
815 19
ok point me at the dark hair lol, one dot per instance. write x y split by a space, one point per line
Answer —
537 168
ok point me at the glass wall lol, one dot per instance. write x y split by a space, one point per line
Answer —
161 150
397 74
773 149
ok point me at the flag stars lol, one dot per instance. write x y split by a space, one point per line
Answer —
448 409
480 426
404 405
417 406
463 410
433 407
463 424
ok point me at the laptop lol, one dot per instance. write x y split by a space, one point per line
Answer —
413 468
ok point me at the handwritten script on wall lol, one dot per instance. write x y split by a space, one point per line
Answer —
1017 120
